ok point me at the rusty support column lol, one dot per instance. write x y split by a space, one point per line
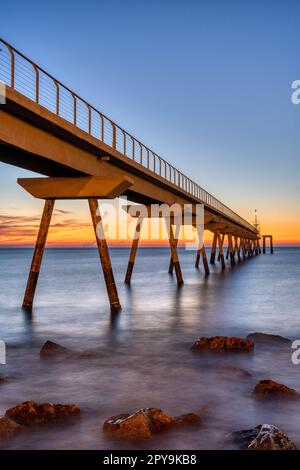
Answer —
213 249
237 248
174 253
133 250
104 256
202 251
271 245
38 253
223 238
171 264
230 247
221 251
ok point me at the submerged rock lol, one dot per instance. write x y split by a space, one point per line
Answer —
145 422
263 437
269 389
188 418
51 350
55 350
238 371
29 413
9 428
223 343
2 379
264 338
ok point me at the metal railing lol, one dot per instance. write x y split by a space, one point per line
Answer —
26 77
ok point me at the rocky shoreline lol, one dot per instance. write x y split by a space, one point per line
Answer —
147 422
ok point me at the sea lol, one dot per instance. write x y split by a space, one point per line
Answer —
141 357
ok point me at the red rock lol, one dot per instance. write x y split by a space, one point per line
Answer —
139 425
9 428
269 388
223 343
188 418
29 413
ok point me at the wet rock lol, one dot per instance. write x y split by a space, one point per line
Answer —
29 413
2 379
238 371
263 437
53 350
9 428
188 418
263 338
269 389
146 422
223 343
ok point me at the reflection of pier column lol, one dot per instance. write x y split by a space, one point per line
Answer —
38 253
133 251
104 256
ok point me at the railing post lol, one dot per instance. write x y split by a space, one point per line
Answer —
37 84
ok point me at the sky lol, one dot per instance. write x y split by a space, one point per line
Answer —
206 84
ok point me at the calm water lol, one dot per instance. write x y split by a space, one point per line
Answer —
143 355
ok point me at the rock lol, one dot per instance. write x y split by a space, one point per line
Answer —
188 418
269 389
140 425
146 422
54 350
263 437
51 350
239 371
9 428
2 380
223 343
262 338
29 413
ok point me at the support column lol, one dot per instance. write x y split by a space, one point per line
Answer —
230 247
202 251
221 250
133 250
223 238
38 254
174 253
213 249
171 264
237 248
264 244
104 256
271 245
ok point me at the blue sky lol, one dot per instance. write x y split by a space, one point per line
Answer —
207 84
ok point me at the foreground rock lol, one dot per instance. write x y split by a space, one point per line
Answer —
263 338
9 428
223 343
263 437
51 350
269 389
30 413
145 422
